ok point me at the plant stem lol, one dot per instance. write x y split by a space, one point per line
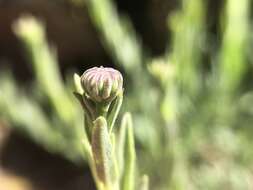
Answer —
102 109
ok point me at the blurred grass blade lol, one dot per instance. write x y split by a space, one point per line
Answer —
26 116
188 33
235 43
44 62
117 33
144 185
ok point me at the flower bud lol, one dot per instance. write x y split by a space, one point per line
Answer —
102 84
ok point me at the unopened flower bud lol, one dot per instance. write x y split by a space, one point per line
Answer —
102 84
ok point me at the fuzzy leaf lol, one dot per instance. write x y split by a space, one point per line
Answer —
102 152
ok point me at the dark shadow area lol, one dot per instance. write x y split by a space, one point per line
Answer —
69 29
45 171
149 18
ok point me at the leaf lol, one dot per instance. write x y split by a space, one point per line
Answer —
121 144
102 153
78 86
86 105
129 154
114 111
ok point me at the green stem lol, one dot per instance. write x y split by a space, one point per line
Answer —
102 109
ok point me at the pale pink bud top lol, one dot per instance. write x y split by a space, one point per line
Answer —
102 83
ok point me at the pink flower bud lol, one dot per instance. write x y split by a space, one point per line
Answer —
102 84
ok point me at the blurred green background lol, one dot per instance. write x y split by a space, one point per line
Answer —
187 68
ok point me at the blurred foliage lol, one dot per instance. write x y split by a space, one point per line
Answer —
192 106
45 111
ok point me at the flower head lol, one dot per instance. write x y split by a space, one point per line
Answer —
102 84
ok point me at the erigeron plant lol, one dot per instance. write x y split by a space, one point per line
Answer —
111 157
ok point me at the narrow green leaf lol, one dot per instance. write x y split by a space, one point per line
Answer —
77 82
102 153
233 63
114 111
121 144
129 155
